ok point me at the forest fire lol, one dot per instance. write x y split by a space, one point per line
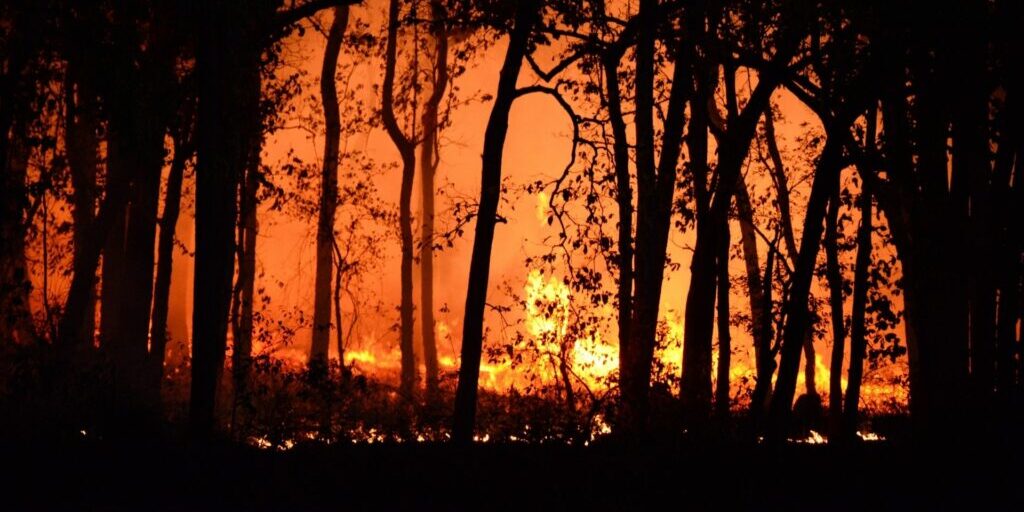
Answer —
601 230
544 337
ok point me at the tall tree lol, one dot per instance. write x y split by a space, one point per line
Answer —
243 293
759 293
328 193
798 315
406 145
428 169
858 341
734 144
231 39
183 152
623 188
223 130
527 14
83 125
833 274
656 179
143 52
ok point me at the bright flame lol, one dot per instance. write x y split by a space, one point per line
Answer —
813 438
551 336
542 207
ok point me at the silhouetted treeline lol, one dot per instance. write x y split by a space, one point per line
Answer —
673 108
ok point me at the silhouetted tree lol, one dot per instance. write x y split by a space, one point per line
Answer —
406 144
231 38
858 341
724 337
656 179
798 315
429 160
759 293
527 14
83 130
833 274
328 194
734 144
181 134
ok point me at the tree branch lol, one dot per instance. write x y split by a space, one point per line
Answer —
301 12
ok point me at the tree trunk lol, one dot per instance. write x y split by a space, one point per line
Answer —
971 166
114 257
656 180
138 120
248 229
624 200
137 276
428 168
922 232
165 260
83 125
858 343
229 45
695 385
527 14
79 305
724 337
834 276
328 195
128 259
339 333
798 320
760 303
781 182
227 73
407 149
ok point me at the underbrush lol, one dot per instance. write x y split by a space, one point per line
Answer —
282 405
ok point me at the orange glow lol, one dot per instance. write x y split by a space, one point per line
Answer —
545 327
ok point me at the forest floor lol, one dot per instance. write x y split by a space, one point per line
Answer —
95 475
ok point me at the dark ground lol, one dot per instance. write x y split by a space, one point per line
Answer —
91 475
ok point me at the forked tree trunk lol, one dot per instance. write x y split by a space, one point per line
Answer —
135 146
695 385
79 303
798 320
527 14
428 168
656 178
407 150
